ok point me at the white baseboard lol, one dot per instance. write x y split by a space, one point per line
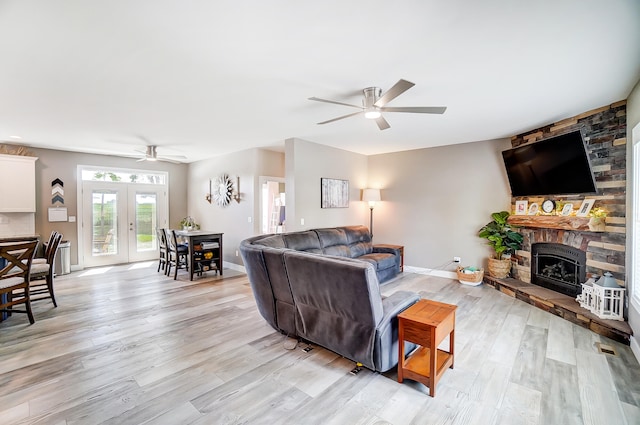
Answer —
232 266
635 348
431 272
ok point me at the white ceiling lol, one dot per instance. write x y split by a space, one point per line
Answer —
204 78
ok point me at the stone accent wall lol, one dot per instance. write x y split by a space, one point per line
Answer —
605 131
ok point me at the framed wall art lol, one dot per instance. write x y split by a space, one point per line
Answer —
334 193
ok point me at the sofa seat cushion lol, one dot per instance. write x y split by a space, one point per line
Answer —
380 260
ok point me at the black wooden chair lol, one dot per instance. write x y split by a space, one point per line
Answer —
47 244
162 246
42 273
176 254
15 275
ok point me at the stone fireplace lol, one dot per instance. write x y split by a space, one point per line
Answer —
558 267
604 130
586 247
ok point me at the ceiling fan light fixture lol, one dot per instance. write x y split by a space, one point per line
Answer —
372 114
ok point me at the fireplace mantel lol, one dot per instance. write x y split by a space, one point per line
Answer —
582 224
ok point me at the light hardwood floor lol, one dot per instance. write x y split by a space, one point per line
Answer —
128 346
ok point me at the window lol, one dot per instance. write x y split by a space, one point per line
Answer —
123 176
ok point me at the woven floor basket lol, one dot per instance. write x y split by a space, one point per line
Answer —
474 278
499 268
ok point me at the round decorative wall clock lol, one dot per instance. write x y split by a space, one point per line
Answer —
548 206
223 190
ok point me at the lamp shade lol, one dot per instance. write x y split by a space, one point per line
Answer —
371 195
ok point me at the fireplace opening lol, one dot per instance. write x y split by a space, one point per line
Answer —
558 267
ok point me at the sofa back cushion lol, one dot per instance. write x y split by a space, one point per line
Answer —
272 241
333 241
338 302
359 240
303 241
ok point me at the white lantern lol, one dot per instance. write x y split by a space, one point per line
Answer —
608 298
586 297
604 298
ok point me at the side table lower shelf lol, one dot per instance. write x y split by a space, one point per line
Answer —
417 366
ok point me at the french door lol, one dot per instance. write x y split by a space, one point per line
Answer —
120 221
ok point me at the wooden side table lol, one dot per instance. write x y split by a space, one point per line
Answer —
426 323
399 248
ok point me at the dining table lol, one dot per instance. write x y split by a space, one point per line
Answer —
205 250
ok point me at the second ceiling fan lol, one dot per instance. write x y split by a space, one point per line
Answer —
374 103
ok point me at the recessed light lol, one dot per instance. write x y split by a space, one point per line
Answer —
15 137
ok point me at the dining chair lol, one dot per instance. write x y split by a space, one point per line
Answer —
15 275
45 271
176 254
47 246
162 246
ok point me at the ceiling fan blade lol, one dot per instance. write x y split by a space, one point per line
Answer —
382 123
398 88
416 109
317 99
165 159
172 156
340 118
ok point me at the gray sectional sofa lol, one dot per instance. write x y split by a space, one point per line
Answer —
323 285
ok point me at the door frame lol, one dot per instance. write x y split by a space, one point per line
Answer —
80 203
262 180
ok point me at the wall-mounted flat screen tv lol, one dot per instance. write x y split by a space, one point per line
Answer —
556 166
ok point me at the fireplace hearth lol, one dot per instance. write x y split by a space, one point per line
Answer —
558 267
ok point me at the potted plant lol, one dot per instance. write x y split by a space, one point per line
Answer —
188 223
503 240
597 217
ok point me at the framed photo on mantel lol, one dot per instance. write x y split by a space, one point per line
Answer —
585 208
521 207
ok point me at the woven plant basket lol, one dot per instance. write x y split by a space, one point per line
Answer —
499 268
472 279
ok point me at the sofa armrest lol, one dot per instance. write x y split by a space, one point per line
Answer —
386 344
396 303
386 250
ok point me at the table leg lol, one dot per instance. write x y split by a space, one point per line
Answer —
190 259
400 352
451 345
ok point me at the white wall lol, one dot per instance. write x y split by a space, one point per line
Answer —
435 200
237 221
306 164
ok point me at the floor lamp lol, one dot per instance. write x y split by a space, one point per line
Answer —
372 196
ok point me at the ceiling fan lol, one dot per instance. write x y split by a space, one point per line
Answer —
151 154
374 103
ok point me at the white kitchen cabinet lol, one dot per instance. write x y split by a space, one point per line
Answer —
17 183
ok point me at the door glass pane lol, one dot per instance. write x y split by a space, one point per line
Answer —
105 223
146 221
